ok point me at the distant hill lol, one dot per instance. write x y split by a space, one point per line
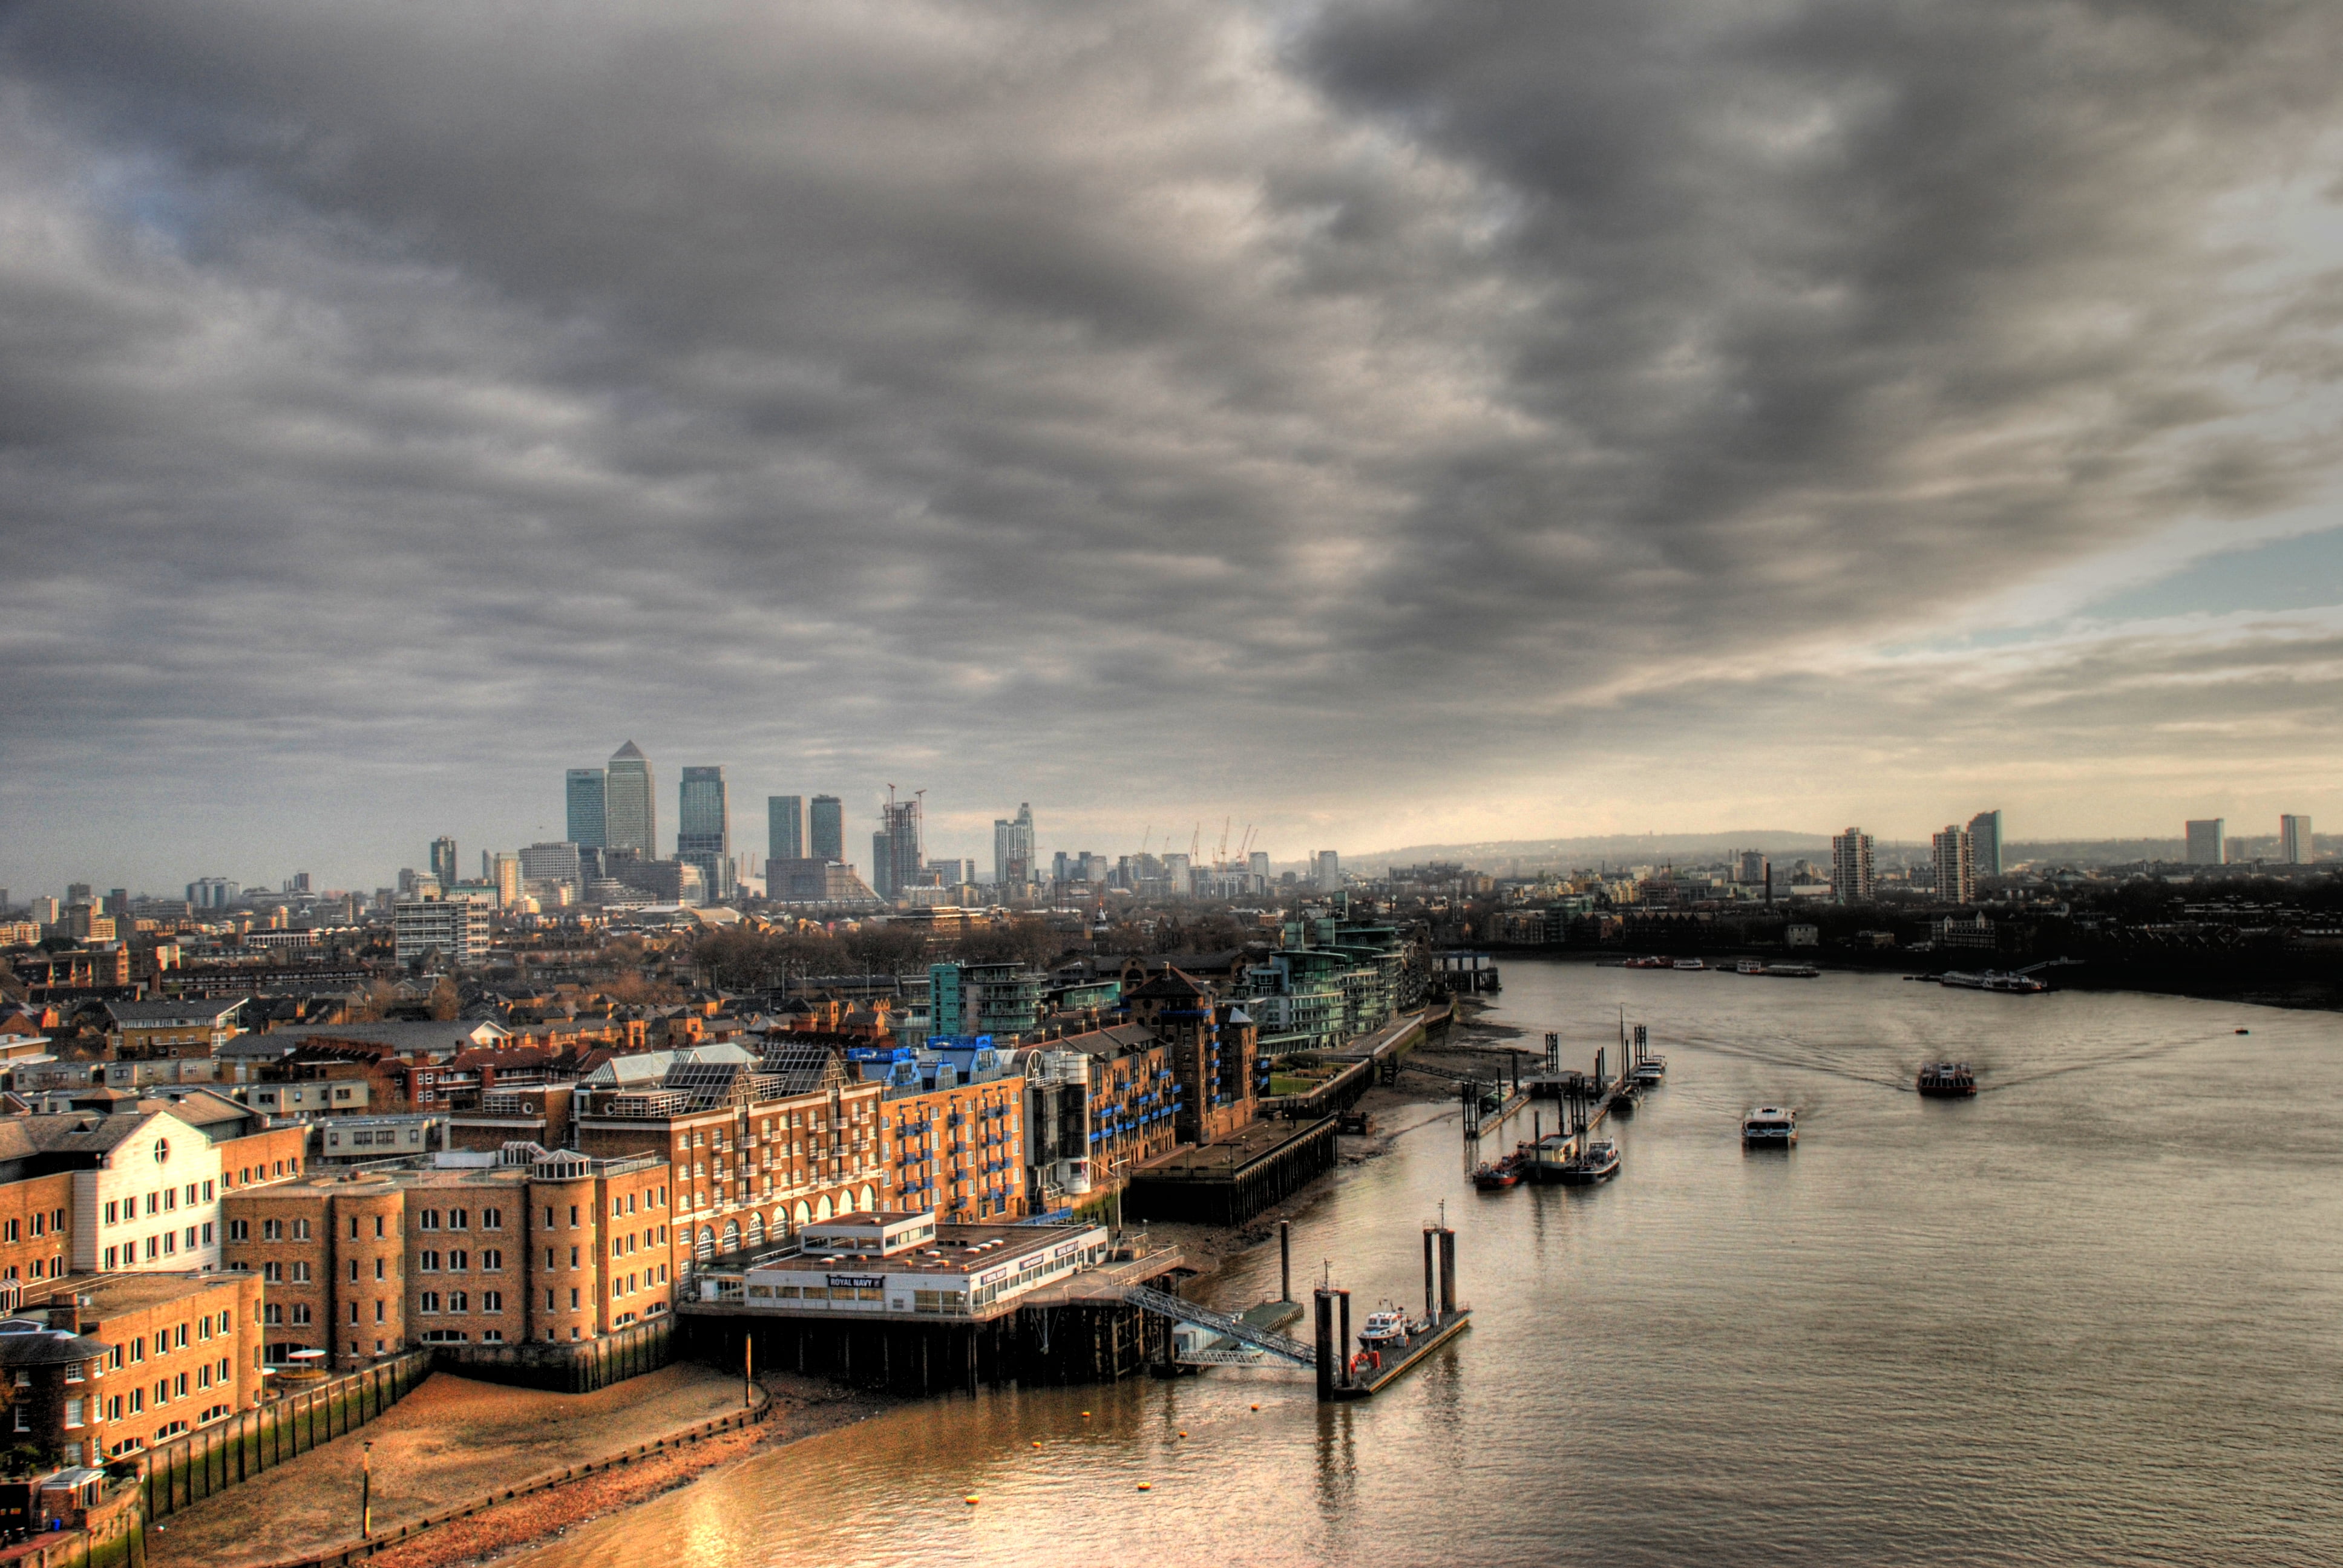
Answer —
1515 857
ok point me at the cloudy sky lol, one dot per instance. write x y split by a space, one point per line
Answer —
1381 423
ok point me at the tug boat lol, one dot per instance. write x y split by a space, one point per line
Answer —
1947 1081
1770 1127
1497 1176
1599 1163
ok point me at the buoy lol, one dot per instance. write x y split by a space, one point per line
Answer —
1147 1486
969 1500
1256 1407
1183 1434
1086 1415
1037 1443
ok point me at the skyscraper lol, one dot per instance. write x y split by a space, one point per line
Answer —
1013 847
825 829
703 835
630 811
895 854
1955 864
582 790
785 827
1327 871
1851 867
2209 841
1984 842
443 861
504 875
2294 846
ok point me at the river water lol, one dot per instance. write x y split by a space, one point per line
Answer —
2095 1315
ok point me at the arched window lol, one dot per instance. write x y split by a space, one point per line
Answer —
821 1210
802 1217
731 1235
706 1245
756 1229
870 1201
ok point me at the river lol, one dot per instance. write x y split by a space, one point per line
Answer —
2092 1315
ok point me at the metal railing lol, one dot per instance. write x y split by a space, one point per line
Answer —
1164 1304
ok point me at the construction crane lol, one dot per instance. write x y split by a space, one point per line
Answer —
1220 850
1245 850
1195 843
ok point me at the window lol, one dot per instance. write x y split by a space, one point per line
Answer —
492 1257
300 1229
430 1219
272 1230
207 1233
113 1216
430 1300
458 1260
191 1195
458 1219
272 1273
110 1252
207 1192
271 1313
492 1300
300 1312
40 1224
492 1219
239 1230
377 1225
300 1273
430 1260
457 1303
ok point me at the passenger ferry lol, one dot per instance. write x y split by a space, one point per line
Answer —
1947 1081
1994 981
1770 1127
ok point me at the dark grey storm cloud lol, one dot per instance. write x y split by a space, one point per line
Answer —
1134 408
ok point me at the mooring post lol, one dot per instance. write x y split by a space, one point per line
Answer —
1322 1299
1431 1285
1447 1271
1285 1260
1342 1346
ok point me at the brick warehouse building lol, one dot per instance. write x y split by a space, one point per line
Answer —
530 1245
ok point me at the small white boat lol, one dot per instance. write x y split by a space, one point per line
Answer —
1384 1330
1770 1127
1690 964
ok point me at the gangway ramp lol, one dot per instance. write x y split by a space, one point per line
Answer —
1164 1304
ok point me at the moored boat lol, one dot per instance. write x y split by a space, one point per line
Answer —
1688 964
1599 1162
1494 1177
1947 1081
1791 971
1770 1127
1386 1330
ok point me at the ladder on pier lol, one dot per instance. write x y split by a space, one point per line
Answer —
1163 1303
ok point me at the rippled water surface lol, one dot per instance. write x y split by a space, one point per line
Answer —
2093 1315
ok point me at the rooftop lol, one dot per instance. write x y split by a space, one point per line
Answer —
110 1295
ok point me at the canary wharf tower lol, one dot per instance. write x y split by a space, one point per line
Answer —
630 820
